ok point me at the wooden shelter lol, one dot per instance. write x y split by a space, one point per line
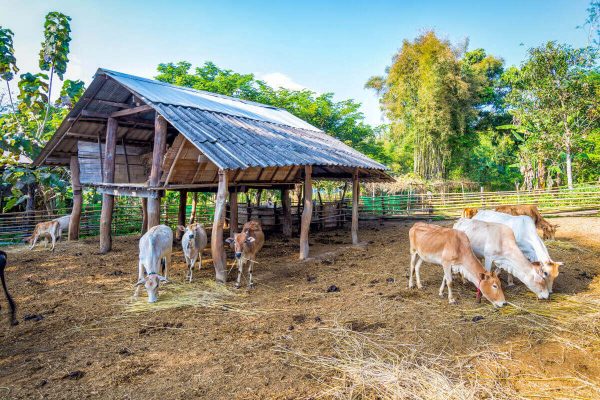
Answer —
131 136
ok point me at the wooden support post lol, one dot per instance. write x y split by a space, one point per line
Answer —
144 214
258 196
233 216
194 207
355 194
286 206
108 200
181 212
216 240
158 152
306 212
77 200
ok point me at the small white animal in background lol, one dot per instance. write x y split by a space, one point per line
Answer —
193 241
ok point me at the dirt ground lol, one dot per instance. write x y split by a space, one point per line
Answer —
81 335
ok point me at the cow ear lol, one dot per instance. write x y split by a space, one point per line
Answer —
229 240
250 239
140 282
559 264
181 228
162 278
482 276
537 263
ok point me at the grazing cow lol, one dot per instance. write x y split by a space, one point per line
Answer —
451 249
194 240
155 248
496 244
45 230
245 245
530 210
527 239
11 303
469 212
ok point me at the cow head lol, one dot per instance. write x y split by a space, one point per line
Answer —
548 230
151 283
238 242
189 233
469 212
536 283
491 289
549 271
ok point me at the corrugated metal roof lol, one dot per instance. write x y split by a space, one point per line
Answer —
232 133
235 133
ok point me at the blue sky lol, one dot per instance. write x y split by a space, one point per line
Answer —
326 46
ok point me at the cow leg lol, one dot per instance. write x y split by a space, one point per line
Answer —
488 264
238 283
33 242
53 242
413 260
167 264
191 267
418 273
509 280
448 278
443 286
140 276
250 268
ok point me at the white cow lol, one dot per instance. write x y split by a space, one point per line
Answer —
194 240
527 239
63 223
496 244
155 247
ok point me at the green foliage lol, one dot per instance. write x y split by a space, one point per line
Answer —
342 119
554 101
433 94
8 62
70 93
32 93
55 47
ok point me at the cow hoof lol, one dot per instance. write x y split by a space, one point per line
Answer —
237 285
452 301
251 286
420 287
510 285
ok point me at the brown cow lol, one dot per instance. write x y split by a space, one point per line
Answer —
245 245
469 212
451 249
531 210
46 230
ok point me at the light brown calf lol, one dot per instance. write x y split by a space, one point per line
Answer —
45 230
530 210
246 245
451 249
469 212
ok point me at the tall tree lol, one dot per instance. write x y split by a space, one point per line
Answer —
554 97
430 94
54 55
8 63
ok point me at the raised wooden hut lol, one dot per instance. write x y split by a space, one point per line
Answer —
131 136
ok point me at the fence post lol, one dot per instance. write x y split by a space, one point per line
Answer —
77 200
482 197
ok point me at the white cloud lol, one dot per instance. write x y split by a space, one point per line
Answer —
277 80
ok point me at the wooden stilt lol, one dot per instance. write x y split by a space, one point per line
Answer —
158 152
181 212
108 200
216 242
194 206
77 200
306 212
286 207
144 214
355 194
233 206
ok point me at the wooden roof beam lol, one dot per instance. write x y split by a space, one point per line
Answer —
131 111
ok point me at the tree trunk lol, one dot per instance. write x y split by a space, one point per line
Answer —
216 241
258 196
144 201
569 167
74 222
306 213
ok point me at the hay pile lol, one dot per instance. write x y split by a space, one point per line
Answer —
205 294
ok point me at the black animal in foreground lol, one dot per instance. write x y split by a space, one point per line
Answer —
11 303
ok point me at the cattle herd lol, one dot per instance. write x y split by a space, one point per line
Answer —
506 237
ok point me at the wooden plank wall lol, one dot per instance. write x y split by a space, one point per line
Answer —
90 166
